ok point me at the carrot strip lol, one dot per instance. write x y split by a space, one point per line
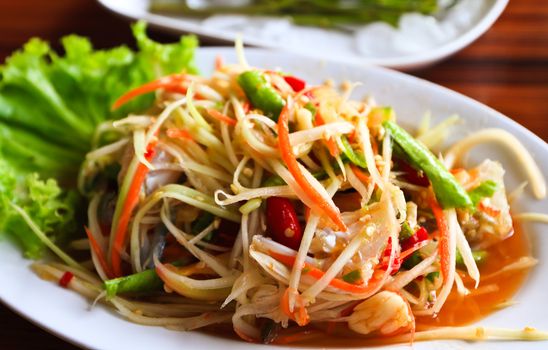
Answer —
175 133
316 273
284 304
374 146
489 210
352 136
363 177
221 117
456 170
173 83
443 236
330 142
300 315
131 200
99 253
332 147
328 207
413 249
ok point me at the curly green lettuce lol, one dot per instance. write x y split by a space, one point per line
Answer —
50 105
50 207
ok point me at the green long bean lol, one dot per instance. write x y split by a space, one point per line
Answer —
449 193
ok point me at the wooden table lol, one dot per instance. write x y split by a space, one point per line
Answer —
506 69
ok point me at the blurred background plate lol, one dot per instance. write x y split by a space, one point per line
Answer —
419 41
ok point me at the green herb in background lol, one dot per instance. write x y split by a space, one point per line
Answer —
323 13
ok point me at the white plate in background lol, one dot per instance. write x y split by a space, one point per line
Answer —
67 314
311 41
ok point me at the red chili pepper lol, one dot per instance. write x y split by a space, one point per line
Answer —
408 247
413 176
310 94
283 223
99 253
420 235
65 279
296 84
246 106
384 261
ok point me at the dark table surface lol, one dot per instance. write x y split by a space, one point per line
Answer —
507 69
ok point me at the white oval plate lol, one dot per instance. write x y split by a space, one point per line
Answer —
310 41
67 314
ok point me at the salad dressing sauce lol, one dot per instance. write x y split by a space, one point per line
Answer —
492 293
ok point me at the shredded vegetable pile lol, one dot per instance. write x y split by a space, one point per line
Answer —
282 209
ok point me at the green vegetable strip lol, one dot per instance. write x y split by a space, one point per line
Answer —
354 157
310 107
406 231
432 276
274 180
485 190
353 276
261 94
479 257
141 282
413 260
250 205
204 220
201 223
448 191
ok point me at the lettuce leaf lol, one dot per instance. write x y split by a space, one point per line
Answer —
50 207
50 105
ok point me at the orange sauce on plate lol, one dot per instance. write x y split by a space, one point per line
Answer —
493 292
